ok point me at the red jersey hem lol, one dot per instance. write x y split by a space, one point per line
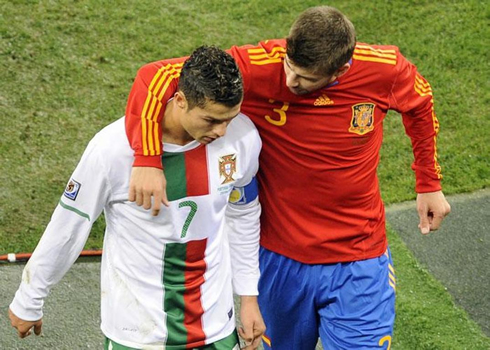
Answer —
336 257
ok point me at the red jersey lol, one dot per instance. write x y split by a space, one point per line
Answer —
318 184
153 86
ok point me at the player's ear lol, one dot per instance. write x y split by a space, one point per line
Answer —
342 70
180 100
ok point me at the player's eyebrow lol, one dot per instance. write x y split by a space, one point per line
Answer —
300 75
216 120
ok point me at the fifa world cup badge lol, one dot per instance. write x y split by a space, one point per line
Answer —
71 190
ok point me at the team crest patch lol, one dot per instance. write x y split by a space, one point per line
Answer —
362 118
71 190
227 168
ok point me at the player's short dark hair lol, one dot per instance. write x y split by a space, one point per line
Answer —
211 74
321 40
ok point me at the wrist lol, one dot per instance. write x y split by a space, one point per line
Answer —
247 299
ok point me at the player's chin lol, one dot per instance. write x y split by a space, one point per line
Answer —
206 140
299 92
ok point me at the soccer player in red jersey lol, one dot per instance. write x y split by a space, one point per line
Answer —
318 99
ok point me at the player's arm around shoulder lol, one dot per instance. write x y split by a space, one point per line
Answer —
147 178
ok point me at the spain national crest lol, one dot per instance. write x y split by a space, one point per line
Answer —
227 168
362 118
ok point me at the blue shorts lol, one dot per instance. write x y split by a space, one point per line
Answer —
348 305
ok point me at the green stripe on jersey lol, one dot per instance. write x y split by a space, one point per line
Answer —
186 173
183 276
112 345
75 210
174 165
230 342
174 286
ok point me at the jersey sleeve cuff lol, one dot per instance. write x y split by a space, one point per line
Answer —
23 312
148 161
427 185
246 285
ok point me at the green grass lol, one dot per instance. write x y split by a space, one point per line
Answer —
67 68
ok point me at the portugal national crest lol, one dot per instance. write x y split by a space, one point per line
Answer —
227 168
362 118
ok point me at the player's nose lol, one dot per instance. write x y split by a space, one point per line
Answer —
220 129
292 80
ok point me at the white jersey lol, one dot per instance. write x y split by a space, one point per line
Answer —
167 280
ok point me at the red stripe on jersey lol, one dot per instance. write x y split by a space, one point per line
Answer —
195 268
196 171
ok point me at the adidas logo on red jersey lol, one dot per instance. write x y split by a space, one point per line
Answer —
323 100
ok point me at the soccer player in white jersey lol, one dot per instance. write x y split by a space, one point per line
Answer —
167 281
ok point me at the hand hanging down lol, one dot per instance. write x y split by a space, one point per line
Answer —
24 328
253 326
147 182
432 208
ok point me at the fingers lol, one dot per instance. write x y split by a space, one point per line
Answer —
22 335
38 328
258 332
254 345
147 200
436 222
431 220
143 198
157 202
256 342
438 216
164 191
243 334
139 198
165 199
448 209
132 193
424 223
432 208
247 338
24 328
146 183
251 338
159 198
